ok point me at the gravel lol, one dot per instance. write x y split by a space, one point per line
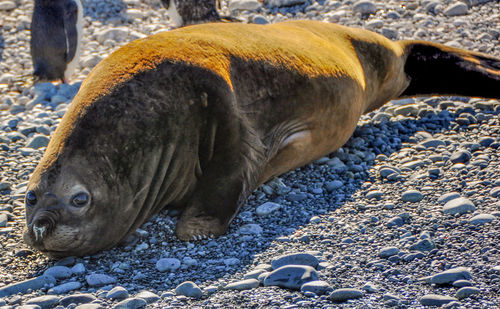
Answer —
387 187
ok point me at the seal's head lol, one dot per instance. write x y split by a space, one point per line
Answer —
66 210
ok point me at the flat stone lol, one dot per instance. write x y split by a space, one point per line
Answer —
364 7
168 264
388 251
189 289
291 276
7 5
466 292
254 274
148 296
374 194
495 192
284 3
330 186
460 156
250 229
131 303
58 272
250 5
443 199
295 259
459 205
433 143
342 295
99 279
65 288
247 284
461 283
435 300
423 245
317 287
481 219
44 302
118 292
451 275
38 141
412 196
267 209
456 9
77 299
89 306
23 286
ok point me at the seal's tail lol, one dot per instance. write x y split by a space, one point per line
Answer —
440 69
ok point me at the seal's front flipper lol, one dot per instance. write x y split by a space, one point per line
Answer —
439 69
230 173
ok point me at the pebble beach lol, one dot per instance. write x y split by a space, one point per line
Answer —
405 215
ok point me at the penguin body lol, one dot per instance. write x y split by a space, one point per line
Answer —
56 30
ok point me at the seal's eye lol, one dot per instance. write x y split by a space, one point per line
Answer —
31 198
80 199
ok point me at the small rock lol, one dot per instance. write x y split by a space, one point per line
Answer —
58 272
295 259
388 251
189 289
7 5
250 229
243 285
250 5
23 286
131 303
148 296
342 295
436 300
481 219
291 276
65 288
412 196
117 292
38 141
330 186
495 192
451 275
317 287
364 7
461 283
443 199
267 208
466 292
168 264
254 274
284 3
423 245
456 9
46 301
374 194
460 156
78 269
115 34
77 299
459 205
99 279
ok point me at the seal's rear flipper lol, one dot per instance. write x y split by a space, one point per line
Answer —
439 69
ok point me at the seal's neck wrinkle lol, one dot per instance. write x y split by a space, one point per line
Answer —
170 179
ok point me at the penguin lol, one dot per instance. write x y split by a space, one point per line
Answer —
56 31
189 12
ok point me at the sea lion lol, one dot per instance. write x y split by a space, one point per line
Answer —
55 45
198 117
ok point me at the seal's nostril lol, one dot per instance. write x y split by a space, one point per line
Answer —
40 227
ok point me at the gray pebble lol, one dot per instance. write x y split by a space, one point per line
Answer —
247 284
364 7
254 274
456 9
342 295
443 199
481 219
148 296
374 194
23 286
89 306
46 301
495 192
130 303
433 143
395 222
77 299
267 208
78 269
388 251
317 287
250 229
295 259
331 186
436 300
117 292
99 279
451 275
459 205
65 288
58 272
291 276
423 245
460 156
168 264
412 196
466 292
461 283
189 289
38 141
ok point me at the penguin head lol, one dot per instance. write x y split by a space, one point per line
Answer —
56 28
